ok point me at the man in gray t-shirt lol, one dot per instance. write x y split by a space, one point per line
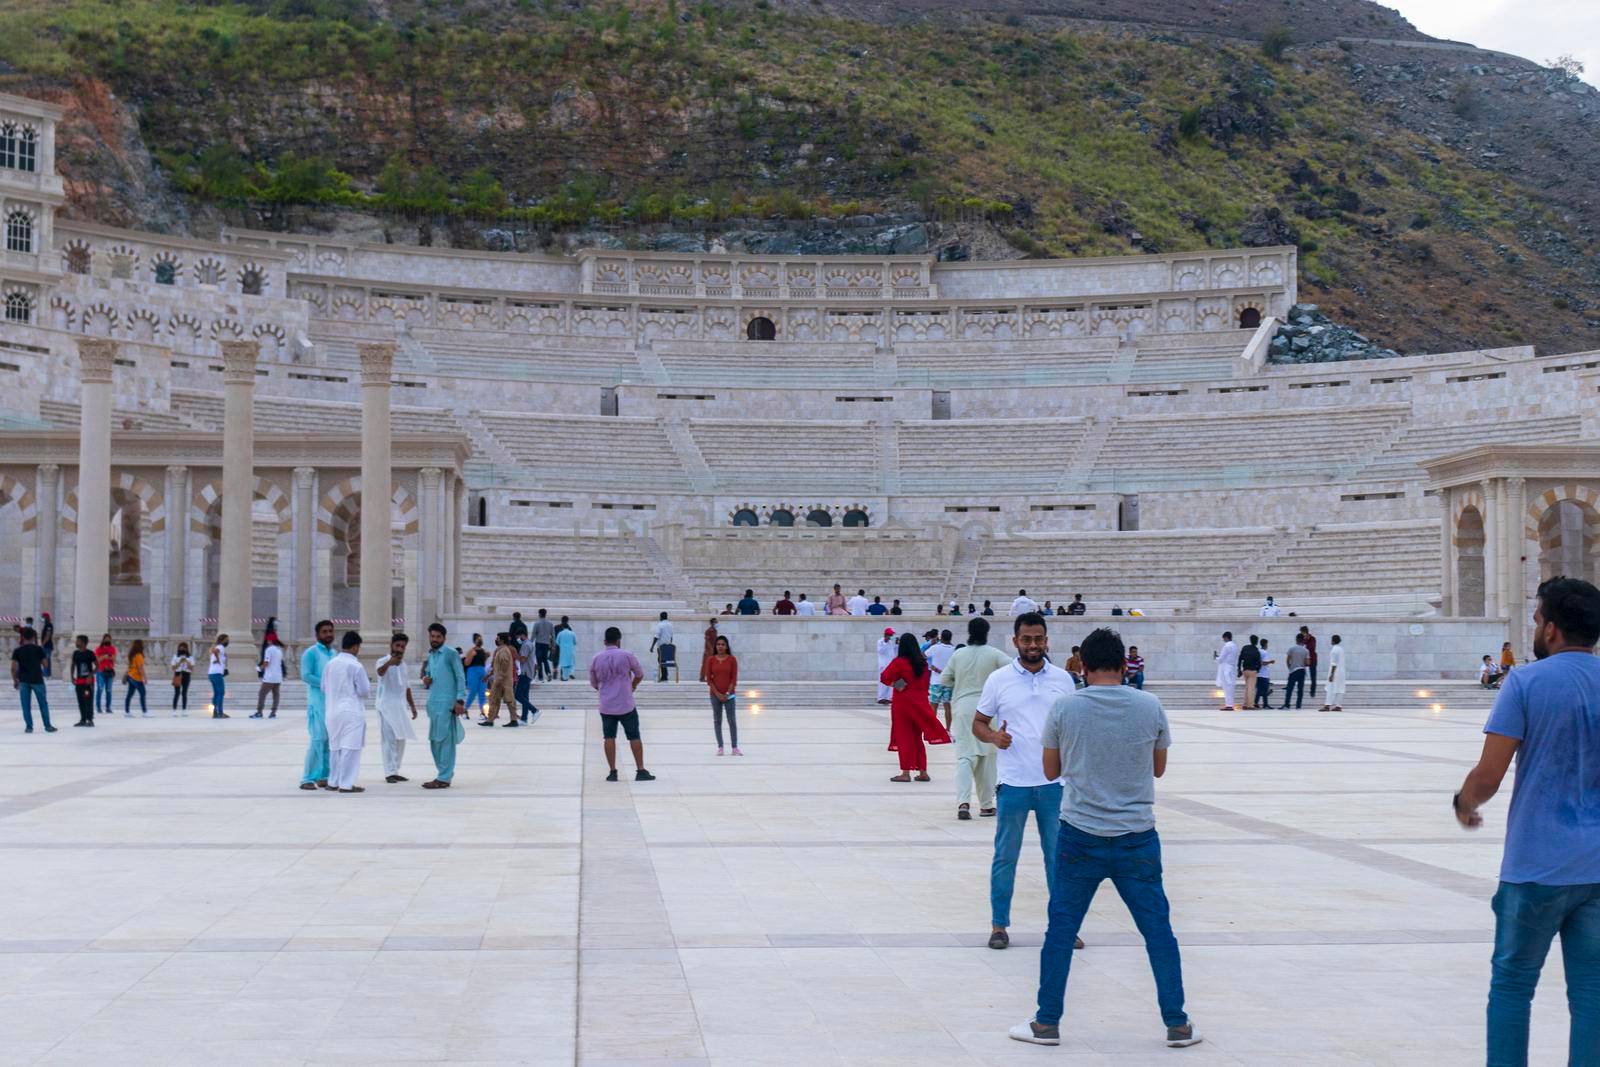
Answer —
1298 660
1108 742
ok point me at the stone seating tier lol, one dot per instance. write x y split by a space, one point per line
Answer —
1401 459
811 456
1355 561
588 450
983 454
510 566
1124 568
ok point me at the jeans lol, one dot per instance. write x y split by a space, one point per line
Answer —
1528 916
1263 692
475 687
520 692
666 656
1311 670
1296 682
718 707
1136 679
30 691
134 686
1011 822
103 680
180 690
217 688
1133 863
541 660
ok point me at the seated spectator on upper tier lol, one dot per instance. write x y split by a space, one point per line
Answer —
876 607
748 605
785 606
1077 607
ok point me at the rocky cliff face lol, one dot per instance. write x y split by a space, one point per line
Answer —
1442 197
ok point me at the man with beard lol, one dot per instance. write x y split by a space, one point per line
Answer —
345 689
446 683
312 660
1547 715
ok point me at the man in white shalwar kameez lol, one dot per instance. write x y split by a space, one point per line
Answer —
888 648
396 708
1227 669
345 690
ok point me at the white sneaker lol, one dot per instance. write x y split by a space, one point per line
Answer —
719 751
1183 1036
1043 1035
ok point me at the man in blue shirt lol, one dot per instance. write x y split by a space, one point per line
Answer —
446 683
748 604
312 660
1548 716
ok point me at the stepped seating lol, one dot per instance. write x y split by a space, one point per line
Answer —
1134 569
516 568
721 564
974 456
1245 449
1083 360
1398 560
64 415
799 457
1402 458
278 415
756 363
336 351
495 354
589 451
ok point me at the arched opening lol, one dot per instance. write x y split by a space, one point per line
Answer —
166 272
818 517
19 307
782 517
19 232
1469 563
250 281
761 329
483 511
746 517
130 527
266 527
1249 319
77 259
855 517
1569 533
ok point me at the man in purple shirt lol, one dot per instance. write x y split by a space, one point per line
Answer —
615 673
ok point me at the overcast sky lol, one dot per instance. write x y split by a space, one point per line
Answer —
1539 30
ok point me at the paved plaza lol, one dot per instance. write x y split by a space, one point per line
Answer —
172 898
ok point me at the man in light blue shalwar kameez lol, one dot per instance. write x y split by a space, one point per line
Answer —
312 660
446 683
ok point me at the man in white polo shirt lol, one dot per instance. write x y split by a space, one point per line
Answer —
1011 715
1023 604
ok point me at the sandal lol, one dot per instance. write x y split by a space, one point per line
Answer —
964 812
436 784
354 789
303 785
923 778
900 778
987 813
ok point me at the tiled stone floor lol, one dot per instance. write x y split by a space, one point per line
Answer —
172 898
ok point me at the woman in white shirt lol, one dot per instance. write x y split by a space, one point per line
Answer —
182 671
271 670
217 671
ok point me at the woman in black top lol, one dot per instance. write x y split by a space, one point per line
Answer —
83 671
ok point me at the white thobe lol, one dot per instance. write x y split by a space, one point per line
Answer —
394 716
888 647
1334 687
1228 671
345 689
856 605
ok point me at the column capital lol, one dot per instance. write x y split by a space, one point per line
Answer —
377 361
304 477
97 357
49 470
431 476
177 470
1516 482
239 362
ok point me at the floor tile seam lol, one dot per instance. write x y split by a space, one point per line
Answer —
1337 848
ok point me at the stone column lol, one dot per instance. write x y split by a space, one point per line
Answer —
1491 547
377 487
1516 598
444 514
1447 563
47 526
234 609
305 528
91 585
177 546
432 567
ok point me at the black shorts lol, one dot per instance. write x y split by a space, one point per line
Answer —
628 722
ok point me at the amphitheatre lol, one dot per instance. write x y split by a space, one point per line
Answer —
613 434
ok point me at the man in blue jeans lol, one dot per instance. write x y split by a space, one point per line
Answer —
1011 715
1108 743
1548 716
27 678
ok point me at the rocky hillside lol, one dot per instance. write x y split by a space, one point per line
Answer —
1442 197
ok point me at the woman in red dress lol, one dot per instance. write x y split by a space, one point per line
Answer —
911 718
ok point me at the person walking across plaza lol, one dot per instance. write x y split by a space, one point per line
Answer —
615 673
912 724
81 672
964 676
27 678
567 649
396 708
1011 715
105 659
217 675
1227 658
502 682
476 662
345 689
446 682
1108 744
662 645
939 654
271 670
722 679
1333 691
1547 716
527 671
182 666
543 634
888 647
135 680
312 661
1294 688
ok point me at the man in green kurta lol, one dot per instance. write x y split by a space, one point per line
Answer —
965 674
446 683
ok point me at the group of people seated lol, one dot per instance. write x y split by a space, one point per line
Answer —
1490 673
836 603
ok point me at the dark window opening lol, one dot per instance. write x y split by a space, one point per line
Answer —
761 329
